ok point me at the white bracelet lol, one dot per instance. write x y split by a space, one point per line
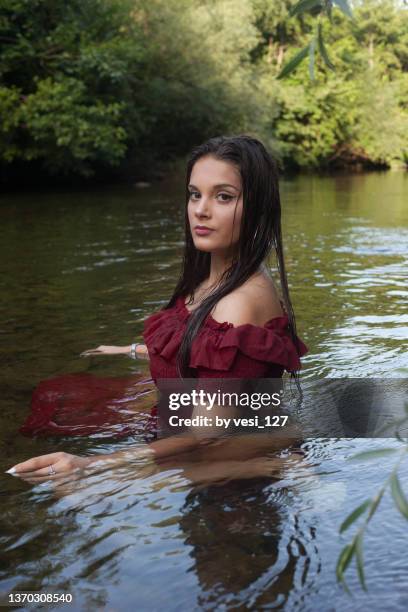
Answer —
133 350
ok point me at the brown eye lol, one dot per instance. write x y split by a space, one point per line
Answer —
193 195
226 197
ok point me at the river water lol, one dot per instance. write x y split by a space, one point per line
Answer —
83 269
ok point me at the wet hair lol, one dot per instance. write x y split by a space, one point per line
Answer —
260 232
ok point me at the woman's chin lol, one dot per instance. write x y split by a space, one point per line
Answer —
204 245
210 246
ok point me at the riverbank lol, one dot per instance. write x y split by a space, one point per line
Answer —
32 178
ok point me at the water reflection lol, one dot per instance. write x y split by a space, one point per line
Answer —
235 539
240 549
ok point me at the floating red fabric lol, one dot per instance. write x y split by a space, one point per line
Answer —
84 404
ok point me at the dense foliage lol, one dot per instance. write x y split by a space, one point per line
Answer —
87 85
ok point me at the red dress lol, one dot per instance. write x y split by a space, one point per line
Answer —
84 404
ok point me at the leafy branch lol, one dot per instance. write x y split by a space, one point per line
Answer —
369 507
319 8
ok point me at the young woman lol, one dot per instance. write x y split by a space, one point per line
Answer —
225 318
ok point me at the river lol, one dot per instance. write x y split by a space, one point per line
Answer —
82 269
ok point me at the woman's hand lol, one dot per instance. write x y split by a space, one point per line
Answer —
107 350
50 467
58 466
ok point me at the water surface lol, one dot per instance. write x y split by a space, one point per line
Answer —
83 269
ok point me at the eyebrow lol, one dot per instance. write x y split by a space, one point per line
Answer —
218 186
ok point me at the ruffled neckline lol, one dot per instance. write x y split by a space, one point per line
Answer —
218 343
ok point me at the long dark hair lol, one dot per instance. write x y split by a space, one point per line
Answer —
260 232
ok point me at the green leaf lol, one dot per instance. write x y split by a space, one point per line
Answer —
359 559
344 7
381 452
375 504
353 516
303 6
322 48
398 495
294 62
312 48
344 560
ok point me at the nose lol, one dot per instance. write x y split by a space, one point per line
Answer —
203 208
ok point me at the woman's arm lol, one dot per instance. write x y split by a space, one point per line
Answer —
176 451
141 351
200 473
65 463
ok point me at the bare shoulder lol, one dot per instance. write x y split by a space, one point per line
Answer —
255 302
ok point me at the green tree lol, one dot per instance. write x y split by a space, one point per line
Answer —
87 85
63 76
200 80
94 83
354 114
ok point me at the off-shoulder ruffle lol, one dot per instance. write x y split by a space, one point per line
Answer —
217 344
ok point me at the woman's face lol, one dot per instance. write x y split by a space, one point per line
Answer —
215 195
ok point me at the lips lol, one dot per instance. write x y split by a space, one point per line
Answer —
202 230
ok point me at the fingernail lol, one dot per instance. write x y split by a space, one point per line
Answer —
11 471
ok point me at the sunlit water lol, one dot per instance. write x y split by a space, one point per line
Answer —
83 269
